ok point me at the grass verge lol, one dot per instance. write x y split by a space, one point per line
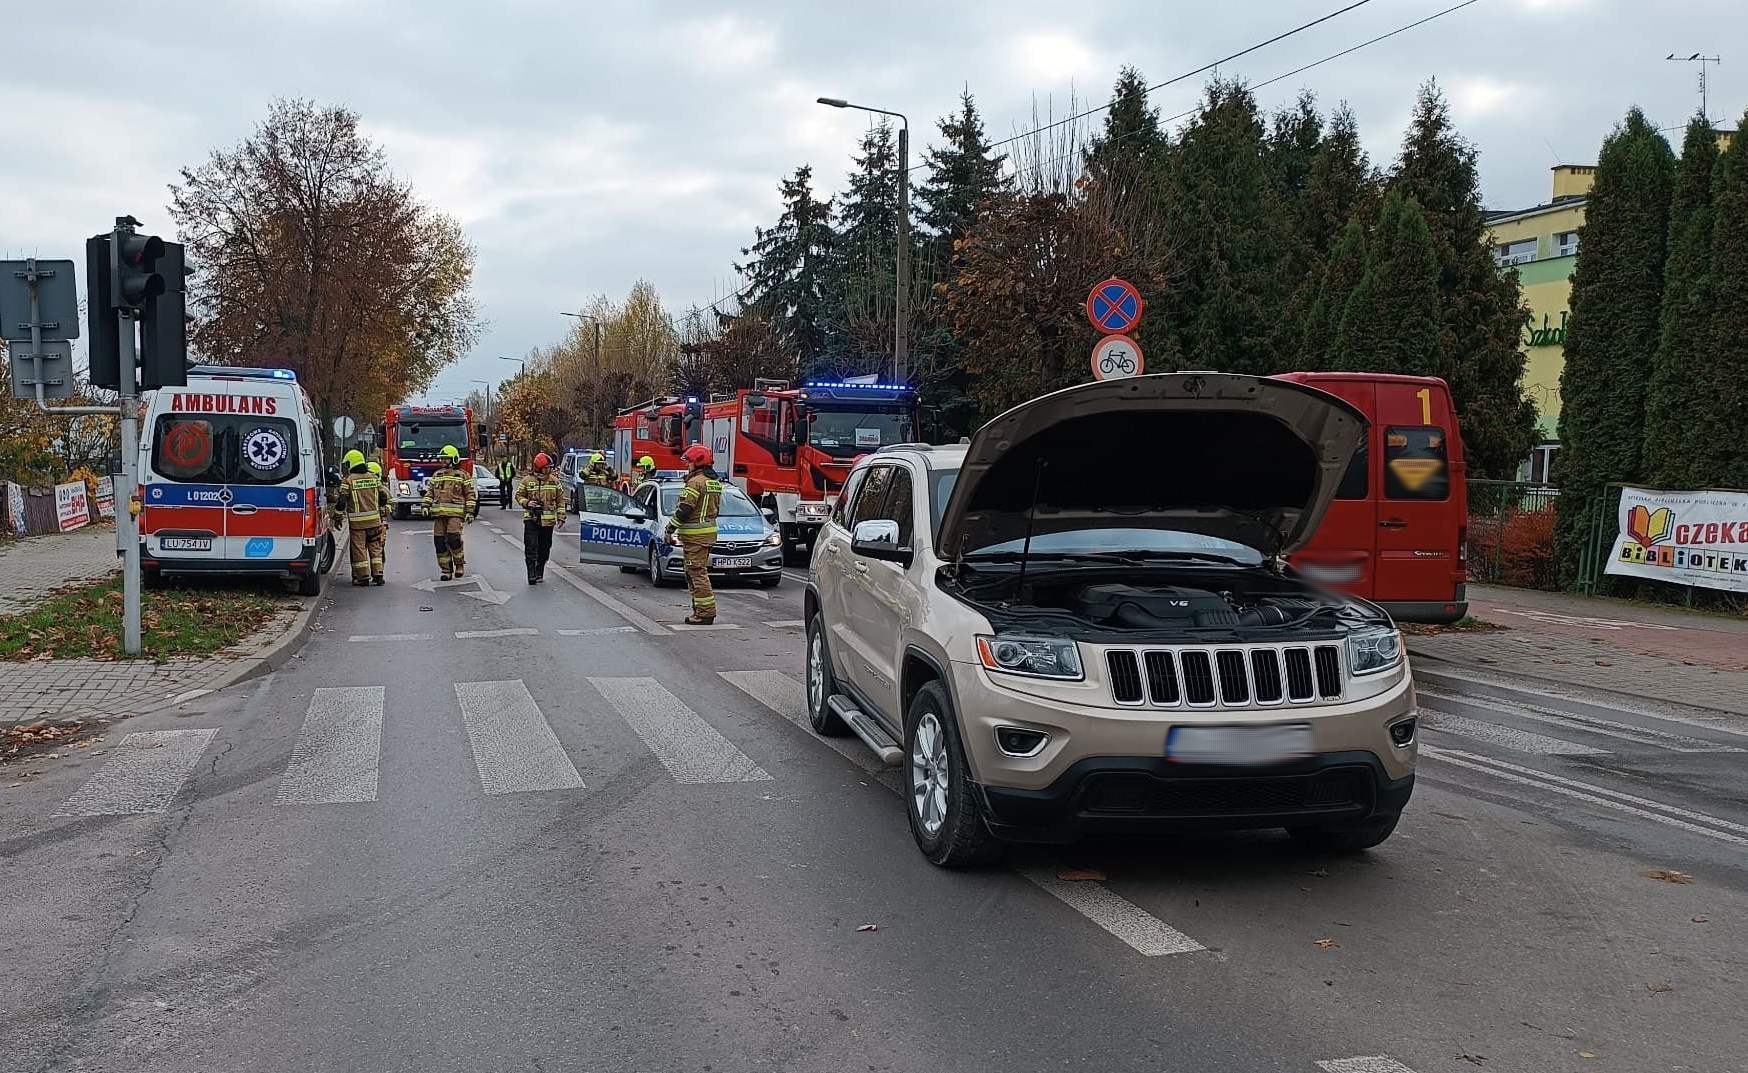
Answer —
84 621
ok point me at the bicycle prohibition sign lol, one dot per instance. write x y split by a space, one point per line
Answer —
1115 357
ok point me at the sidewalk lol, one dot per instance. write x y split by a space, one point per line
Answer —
32 567
1659 654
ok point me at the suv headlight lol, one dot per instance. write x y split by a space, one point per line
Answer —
1040 657
774 539
1378 650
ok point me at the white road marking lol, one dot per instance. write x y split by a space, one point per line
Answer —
1150 936
339 753
597 631
1662 739
786 624
1375 1064
619 607
142 776
513 745
788 698
1583 620
513 631
691 749
1522 741
1669 815
794 576
703 626
388 637
1720 722
757 594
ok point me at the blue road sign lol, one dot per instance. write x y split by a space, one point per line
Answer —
1114 306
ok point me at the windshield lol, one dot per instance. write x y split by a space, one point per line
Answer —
735 503
224 449
843 433
424 439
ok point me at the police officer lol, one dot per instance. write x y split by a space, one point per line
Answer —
694 523
506 481
598 471
358 500
542 499
452 502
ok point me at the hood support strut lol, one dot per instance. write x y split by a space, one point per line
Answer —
1031 519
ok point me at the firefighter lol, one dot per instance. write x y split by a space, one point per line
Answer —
506 481
542 499
358 500
379 550
598 471
645 470
452 502
694 524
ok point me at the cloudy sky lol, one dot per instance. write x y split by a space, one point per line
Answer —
586 144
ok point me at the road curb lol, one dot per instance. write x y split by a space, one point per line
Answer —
275 656
1517 679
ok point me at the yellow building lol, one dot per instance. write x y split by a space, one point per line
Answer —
1541 242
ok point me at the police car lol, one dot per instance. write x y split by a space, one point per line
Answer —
616 529
231 479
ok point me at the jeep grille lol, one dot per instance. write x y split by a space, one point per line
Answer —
1237 676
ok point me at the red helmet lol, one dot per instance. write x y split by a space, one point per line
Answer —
698 455
541 461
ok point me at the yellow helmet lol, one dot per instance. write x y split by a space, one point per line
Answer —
646 462
374 467
353 458
451 452
597 457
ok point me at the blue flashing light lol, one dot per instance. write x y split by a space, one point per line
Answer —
858 386
242 372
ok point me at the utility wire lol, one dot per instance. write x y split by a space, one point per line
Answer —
1187 74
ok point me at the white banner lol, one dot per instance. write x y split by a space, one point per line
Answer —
71 505
15 507
106 497
1686 538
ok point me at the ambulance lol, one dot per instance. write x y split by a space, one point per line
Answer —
231 479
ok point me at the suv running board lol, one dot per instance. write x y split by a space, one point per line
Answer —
873 735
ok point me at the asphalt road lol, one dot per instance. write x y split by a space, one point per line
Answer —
514 828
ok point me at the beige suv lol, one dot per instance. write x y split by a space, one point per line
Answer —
1082 621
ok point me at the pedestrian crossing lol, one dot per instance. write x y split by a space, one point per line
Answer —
337 757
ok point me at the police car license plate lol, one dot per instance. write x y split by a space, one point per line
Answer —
731 562
1238 745
185 543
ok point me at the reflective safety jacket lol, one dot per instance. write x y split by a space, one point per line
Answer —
541 497
450 494
506 470
598 473
359 500
694 517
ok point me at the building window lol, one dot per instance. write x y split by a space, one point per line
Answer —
1539 467
1566 244
1515 253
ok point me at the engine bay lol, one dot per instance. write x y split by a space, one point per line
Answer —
1162 602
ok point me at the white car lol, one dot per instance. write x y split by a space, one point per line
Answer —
485 483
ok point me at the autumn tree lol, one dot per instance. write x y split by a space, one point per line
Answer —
1617 297
722 352
310 253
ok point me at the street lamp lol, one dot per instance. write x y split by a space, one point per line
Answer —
901 295
519 361
487 384
597 322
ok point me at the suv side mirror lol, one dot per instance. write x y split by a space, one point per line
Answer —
877 538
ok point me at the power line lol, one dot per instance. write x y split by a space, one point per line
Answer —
1187 74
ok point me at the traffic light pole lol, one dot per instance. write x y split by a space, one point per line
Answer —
127 522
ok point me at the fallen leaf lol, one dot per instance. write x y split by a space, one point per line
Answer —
1587 1054
1081 875
1667 875
1699 920
1326 944
1604 663
1658 989
869 927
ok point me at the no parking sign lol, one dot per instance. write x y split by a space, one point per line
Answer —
1114 306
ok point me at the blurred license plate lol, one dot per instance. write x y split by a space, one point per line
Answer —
1329 573
185 543
731 562
1238 745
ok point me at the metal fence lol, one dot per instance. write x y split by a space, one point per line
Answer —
1511 532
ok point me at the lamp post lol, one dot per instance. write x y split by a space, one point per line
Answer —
597 323
901 293
521 364
487 384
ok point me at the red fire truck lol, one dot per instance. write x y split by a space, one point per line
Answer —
413 438
789 448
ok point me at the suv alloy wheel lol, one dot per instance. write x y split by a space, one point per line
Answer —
944 809
820 683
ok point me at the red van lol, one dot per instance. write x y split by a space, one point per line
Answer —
1395 533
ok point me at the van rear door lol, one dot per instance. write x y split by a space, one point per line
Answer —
182 513
1420 511
1341 553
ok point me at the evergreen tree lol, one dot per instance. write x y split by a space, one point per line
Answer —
787 276
1125 156
1390 322
1682 390
1482 308
1222 209
1340 183
963 172
1719 431
1617 293
1294 143
1346 269
864 259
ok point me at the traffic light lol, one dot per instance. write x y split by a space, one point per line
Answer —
134 279
164 326
100 327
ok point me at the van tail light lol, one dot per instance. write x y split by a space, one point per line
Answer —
1462 550
312 512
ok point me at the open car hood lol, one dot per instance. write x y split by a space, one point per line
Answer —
1242 458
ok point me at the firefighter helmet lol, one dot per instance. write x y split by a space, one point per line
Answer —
646 463
375 468
597 457
698 455
541 461
353 458
451 452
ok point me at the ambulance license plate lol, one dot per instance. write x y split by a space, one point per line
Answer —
185 543
1238 745
731 562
